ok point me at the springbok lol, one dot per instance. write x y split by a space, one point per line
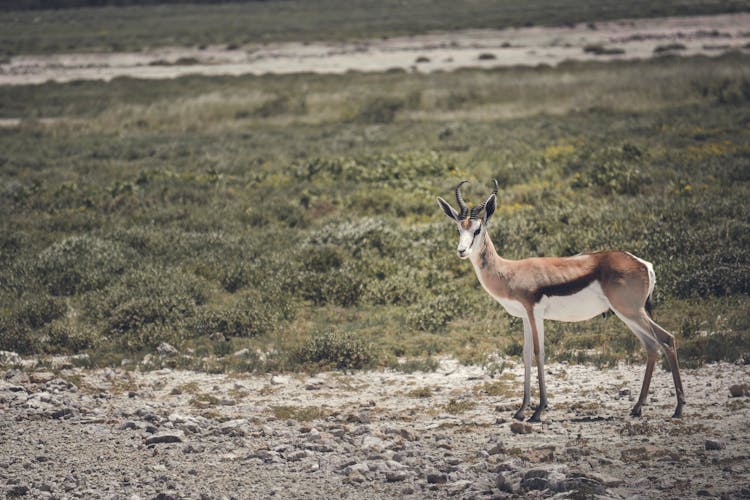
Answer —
564 289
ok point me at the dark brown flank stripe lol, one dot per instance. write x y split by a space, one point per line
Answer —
566 288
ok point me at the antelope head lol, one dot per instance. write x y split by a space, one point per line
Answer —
471 222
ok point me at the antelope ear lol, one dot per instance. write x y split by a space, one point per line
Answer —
489 207
448 209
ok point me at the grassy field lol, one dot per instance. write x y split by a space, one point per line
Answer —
236 24
295 216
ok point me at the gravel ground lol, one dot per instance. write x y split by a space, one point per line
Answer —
75 433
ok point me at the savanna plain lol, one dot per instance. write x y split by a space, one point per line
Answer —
241 286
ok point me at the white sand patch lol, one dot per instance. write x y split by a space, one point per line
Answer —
633 39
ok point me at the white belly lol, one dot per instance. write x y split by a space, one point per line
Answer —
579 306
514 307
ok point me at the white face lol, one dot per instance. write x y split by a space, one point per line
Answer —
469 237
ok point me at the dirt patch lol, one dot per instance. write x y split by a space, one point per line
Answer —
382 434
618 40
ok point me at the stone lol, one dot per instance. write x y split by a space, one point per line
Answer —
543 454
163 438
739 390
296 456
17 490
41 377
166 350
436 478
534 483
372 443
395 476
9 358
584 486
521 428
714 444
266 456
503 484
496 449
61 413
279 380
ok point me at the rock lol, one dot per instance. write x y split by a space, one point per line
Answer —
266 456
61 413
357 468
535 479
539 455
127 426
163 438
279 380
165 350
714 444
372 443
739 390
459 486
497 449
395 476
17 490
436 478
41 377
521 428
582 486
503 484
296 456
404 433
9 358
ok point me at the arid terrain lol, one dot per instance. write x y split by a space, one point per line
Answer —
530 46
379 434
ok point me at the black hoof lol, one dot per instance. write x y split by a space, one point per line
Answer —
636 412
519 415
535 418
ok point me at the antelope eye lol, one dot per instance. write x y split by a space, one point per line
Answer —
477 231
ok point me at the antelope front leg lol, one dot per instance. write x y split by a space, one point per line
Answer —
537 335
527 353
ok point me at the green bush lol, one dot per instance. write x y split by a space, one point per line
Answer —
37 311
343 351
136 313
60 337
146 295
403 288
16 337
434 313
79 264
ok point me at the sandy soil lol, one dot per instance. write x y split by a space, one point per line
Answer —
635 39
382 434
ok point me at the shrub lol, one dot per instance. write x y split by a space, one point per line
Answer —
63 338
336 349
134 314
235 322
16 337
343 286
398 288
433 314
169 291
79 264
37 311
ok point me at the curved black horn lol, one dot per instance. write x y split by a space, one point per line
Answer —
460 200
478 209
